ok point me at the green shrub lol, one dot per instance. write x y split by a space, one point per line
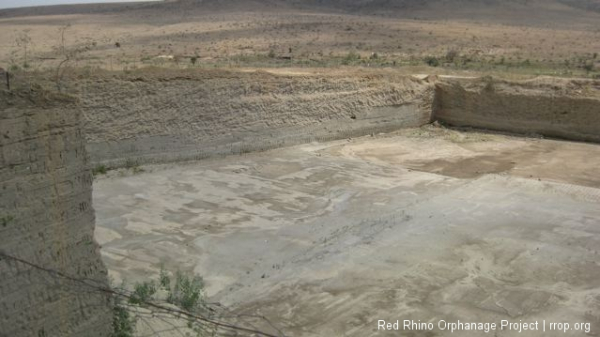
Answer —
164 279
432 61
143 292
188 291
5 220
123 323
100 169
350 58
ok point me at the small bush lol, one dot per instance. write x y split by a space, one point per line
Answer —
5 220
350 58
188 291
432 61
143 292
100 169
451 55
123 323
138 169
134 166
164 279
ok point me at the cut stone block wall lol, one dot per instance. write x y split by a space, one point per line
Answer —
46 218
196 114
562 108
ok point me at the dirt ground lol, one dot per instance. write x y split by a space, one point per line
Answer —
326 239
548 37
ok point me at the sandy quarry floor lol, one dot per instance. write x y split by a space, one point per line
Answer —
327 239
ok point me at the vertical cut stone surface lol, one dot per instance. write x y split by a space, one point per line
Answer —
563 108
177 115
46 217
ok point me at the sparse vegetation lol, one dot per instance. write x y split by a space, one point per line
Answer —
351 58
6 220
143 292
432 61
134 166
338 40
188 291
451 55
99 169
164 279
124 322
69 54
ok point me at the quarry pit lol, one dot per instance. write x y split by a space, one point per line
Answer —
334 211
286 168
312 204
423 224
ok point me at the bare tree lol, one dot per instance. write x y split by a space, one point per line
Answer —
69 54
23 40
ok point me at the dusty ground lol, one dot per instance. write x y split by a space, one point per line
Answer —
535 37
327 239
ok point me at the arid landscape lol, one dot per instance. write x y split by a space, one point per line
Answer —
300 168
560 38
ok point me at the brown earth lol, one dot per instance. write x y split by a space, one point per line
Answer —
552 37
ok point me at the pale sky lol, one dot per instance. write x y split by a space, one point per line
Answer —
27 3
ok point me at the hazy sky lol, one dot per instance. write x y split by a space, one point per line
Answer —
27 3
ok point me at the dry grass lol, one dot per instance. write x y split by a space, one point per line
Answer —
289 37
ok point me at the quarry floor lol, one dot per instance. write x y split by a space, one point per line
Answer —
326 239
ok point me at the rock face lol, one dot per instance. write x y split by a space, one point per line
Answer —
47 219
563 108
191 115
176 115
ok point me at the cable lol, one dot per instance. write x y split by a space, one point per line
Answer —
149 304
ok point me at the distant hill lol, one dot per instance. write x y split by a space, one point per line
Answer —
533 12
590 5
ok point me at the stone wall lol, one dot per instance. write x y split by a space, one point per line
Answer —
562 108
153 116
147 117
46 217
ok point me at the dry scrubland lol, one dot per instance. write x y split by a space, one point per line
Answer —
536 37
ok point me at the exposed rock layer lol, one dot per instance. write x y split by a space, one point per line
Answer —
562 108
191 116
47 219
167 116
